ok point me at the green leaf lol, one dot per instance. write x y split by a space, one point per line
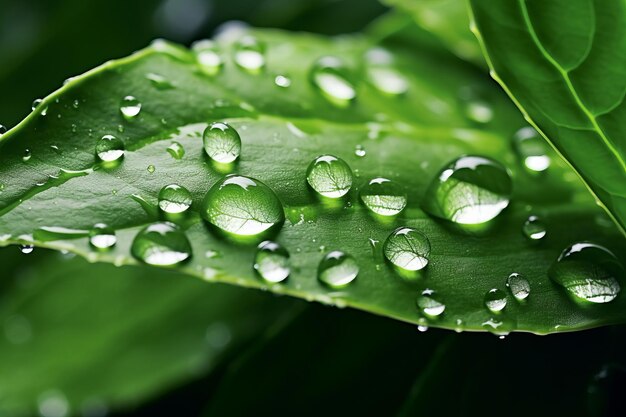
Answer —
448 21
564 64
97 335
407 138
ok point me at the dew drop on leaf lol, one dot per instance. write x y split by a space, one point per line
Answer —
176 150
161 244
102 237
383 196
329 75
109 148
329 176
408 249
518 285
359 151
282 81
27 155
429 305
208 56
3 129
26 249
43 110
469 190
495 300
589 272
242 206
272 262
337 269
531 149
159 81
130 107
250 54
151 168
534 228
221 142
174 199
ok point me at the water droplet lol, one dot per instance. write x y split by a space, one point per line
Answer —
495 300
26 249
359 151
337 269
76 104
250 54
272 262
161 244
383 197
407 248
242 206
329 75
469 190
174 199
519 286
330 176
534 228
3 129
151 168
282 81
208 56
109 148
479 111
130 107
176 150
531 149
422 328
159 82
37 105
429 304
589 272
102 236
27 155
221 142
387 80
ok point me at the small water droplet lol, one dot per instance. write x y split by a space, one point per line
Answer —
469 190
329 176
589 272
382 75
174 199
221 142
102 236
337 269
27 155
151 168
407 248
43 110
3 129
479 111
130 107
519 286
495 300
26 249
250 54
159 81
329 75
534 228
161 244
282 81
383 197
359 151
208 56
272 262
428 304
75 104
242 206
531 149
176 150
422 328
110 148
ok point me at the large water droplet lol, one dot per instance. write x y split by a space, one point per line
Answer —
589 272
221 142
329 176
495 300
174 199
250 54
272 262
242 206
176 150
102 236
383 196
208 56
407 248
519 286
531 149
534 228
469 190
337 269
161 244
429 304
109 148
130 107
329 75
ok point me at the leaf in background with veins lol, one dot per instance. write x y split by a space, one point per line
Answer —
564 64
407 138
